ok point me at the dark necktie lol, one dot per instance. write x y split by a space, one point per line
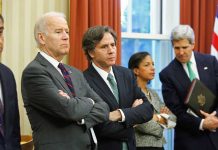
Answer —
1 117
113 86
67 78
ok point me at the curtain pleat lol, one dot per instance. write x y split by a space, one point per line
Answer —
88 13
200 15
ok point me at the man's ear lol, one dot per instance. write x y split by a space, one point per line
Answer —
41 38
193 46
91 53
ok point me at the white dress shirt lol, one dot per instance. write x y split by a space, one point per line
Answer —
104 76
53 61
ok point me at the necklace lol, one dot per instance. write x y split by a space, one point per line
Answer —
147 94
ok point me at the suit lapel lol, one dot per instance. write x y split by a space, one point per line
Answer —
180 74
102 86
5 100
202 68
120 85
2 75
53 71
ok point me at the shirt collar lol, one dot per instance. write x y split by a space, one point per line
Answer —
53 61
101 72
192 59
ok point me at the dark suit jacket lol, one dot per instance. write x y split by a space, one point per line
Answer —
11 139
111 134
175 85
53 118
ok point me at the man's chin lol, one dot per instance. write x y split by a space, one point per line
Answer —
112 63
65 52
182 60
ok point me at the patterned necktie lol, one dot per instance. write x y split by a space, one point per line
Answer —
1 117
67 78
190 71
113 86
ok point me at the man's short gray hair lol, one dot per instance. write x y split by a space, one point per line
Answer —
41 23
182 32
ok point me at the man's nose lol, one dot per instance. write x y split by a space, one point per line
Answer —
181 51
65 35
111 49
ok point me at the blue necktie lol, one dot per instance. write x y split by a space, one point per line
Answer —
67 78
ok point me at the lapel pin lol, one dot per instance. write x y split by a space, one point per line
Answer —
205 68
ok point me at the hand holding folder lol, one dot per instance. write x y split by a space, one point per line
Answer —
199 97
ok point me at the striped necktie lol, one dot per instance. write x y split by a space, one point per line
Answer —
113 86
67 78
190 71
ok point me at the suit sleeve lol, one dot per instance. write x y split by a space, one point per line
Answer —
176 104
141 113
113 130
120 130
16 118
99 112
40 91
150 128
137 115
215 64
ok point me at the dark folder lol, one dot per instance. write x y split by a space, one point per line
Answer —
199 97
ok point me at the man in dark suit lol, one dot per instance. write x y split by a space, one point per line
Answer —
191 132
9 113
128 105
60 105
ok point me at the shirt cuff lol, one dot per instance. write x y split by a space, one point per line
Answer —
122 115
158 116
93 102
81 122
201 125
